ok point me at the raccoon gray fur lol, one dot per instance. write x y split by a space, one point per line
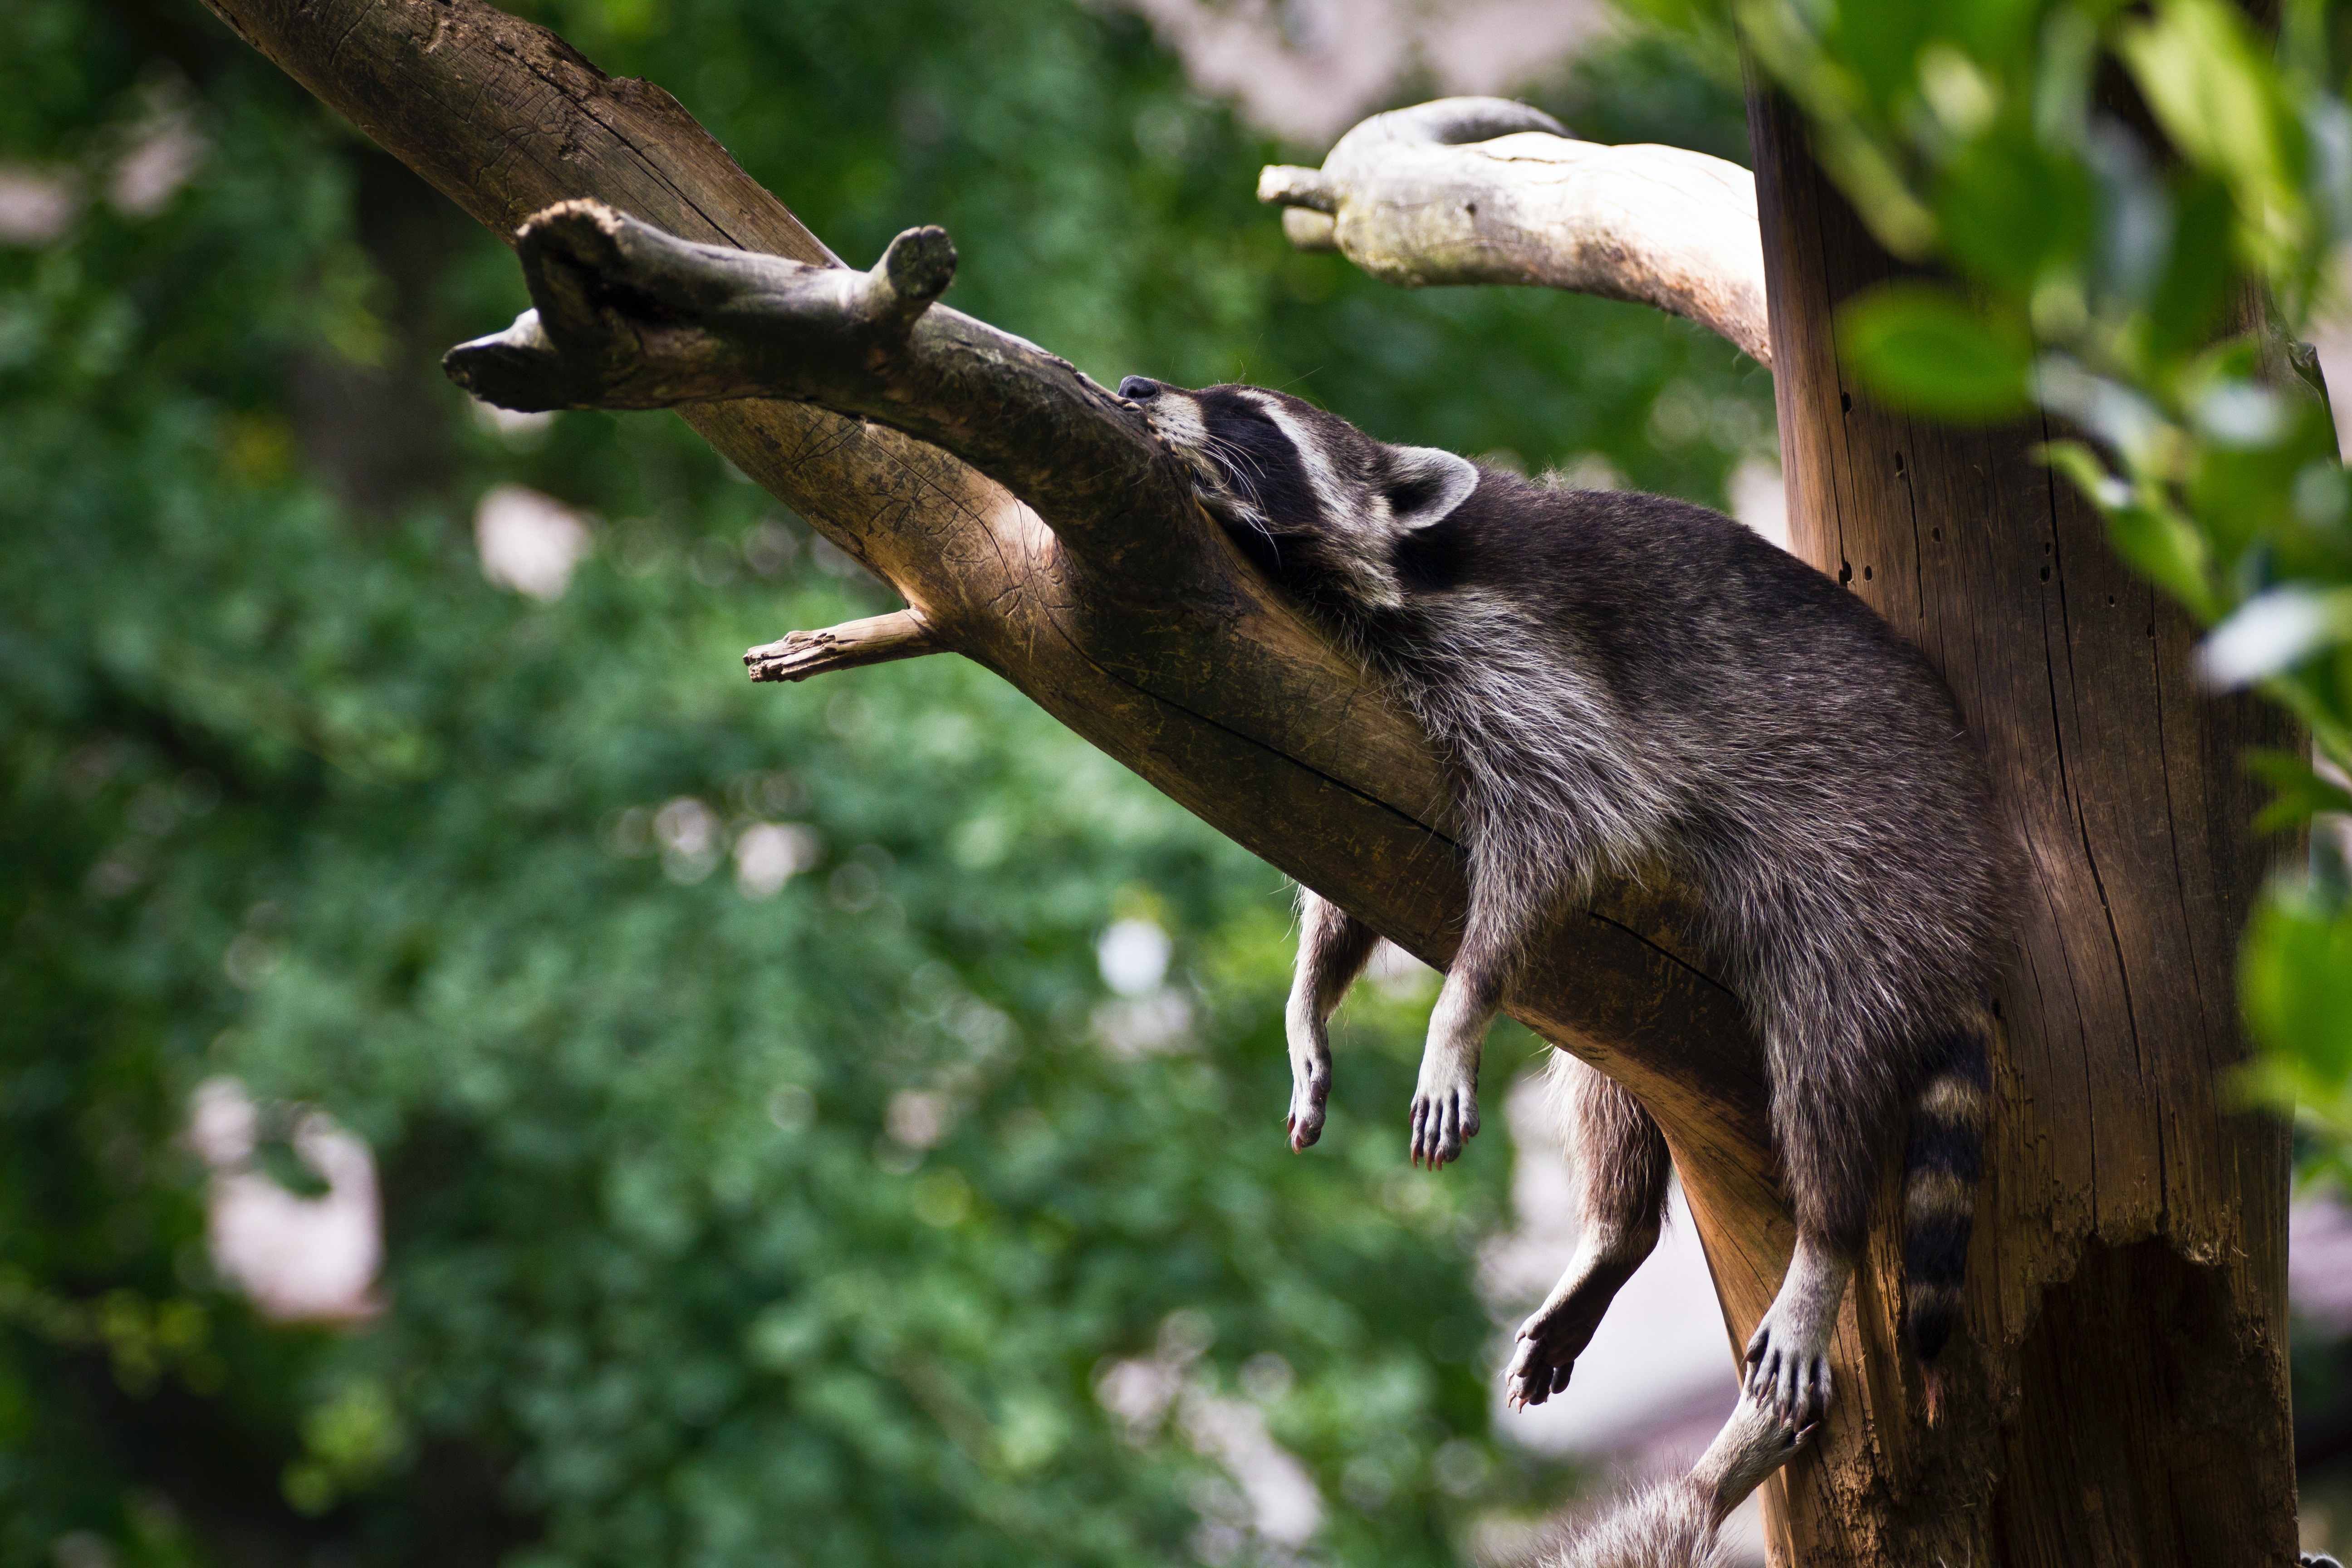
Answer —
1618 682
1677 1523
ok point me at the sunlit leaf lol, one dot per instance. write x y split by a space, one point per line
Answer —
2302 792
2222 104
1919 347
2156 539
2295 979
2272 631
2009 206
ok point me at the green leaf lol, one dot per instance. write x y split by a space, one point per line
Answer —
2205 82
2275 631
2195 281
2156 540
1880 44
2295 976
1925 348
2009 208
2302 792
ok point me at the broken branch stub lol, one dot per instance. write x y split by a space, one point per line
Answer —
627 316
877 639
1482 190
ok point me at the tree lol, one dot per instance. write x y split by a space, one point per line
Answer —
259 699
1131 623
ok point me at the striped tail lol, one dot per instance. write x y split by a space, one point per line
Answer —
1941 1165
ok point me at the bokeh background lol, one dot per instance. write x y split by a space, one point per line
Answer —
481 1083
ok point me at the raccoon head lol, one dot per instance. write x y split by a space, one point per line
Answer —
1320 505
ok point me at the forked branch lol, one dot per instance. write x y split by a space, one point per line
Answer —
1482 190
626 316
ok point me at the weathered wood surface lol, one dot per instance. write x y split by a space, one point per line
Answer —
2118 1393
1483 190
1193 674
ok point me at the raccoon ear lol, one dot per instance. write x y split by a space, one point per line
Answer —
1424 484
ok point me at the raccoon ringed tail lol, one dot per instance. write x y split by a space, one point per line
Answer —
1941 1165
1667 1524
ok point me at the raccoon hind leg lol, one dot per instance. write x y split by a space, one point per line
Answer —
1677 1523
1333 948
1618 1169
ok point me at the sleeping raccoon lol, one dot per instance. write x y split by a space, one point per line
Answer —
1621 681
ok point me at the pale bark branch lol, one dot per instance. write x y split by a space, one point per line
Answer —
1480 190
877 639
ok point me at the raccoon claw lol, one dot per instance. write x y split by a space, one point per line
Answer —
1536 1371
1793 1380
1305 1122
1756 1441
1443 1120
1310 1092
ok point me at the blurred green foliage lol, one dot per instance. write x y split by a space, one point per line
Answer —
2116 194
720 1229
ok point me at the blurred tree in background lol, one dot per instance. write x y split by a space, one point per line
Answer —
733 1215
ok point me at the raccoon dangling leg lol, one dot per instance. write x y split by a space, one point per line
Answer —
1445 1095
1673 1524
1618 1169
1508 889
1333 947
1830 1170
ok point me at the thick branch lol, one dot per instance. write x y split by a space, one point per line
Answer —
877 639
629 317
1480 190
1192 672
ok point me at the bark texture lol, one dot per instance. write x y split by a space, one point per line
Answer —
1483 190
2118 1395
1129 618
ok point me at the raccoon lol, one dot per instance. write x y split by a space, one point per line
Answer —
1621 682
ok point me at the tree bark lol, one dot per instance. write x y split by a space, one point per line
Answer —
2119 1394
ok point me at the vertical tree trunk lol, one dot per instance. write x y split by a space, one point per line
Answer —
2119 1394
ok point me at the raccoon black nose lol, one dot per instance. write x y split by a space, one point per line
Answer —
1136 389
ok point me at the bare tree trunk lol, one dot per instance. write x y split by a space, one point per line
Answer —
2120 1389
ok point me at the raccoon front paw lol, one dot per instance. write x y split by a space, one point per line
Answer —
1444 1114
1310 1087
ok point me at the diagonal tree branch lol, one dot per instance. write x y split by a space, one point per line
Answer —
1483 190
1129 618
